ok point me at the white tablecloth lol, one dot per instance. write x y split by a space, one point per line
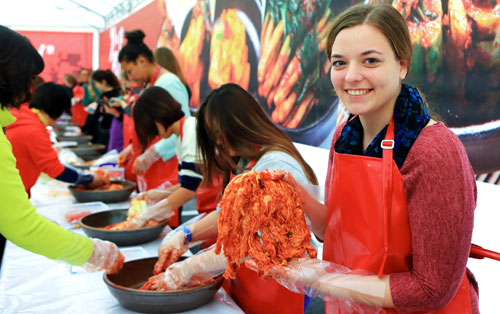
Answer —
487 234
34 284
31 283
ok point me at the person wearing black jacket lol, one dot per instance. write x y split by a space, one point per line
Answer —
99 121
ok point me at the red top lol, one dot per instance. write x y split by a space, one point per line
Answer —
441 195
32 147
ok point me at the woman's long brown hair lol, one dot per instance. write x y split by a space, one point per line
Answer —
231 119
166 59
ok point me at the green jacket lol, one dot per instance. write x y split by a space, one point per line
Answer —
20 223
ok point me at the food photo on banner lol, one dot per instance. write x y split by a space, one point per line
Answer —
276 50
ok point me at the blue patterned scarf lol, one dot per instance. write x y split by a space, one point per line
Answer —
410 117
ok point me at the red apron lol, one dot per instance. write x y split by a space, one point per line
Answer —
256 295
160 171
367 222
78 112
128 121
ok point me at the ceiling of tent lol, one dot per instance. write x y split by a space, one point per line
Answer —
96 14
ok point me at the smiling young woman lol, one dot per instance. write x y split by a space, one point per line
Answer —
400 192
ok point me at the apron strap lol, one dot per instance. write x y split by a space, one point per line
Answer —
387 146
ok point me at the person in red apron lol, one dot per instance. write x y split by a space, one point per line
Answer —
157 113
400 191
235 135
78 112
155 165
35 156
129 132
158 108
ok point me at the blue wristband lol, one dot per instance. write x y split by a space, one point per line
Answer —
189 236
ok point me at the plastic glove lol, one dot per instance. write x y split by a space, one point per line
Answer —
170 251
105 256
179 274
352 291
99 179
155 195
160 211
125 156
144 161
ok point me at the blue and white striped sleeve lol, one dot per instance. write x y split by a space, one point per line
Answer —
189 177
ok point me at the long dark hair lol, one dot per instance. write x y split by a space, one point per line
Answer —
154 105
107 76
135 47
51 98
19 63
230 118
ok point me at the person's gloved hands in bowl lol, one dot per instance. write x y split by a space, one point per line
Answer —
155 195
105 256
159 211
170 251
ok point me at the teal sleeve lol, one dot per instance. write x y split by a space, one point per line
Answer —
171 83
166 147
21 225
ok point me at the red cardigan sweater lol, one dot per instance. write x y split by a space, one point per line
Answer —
441 195
32 147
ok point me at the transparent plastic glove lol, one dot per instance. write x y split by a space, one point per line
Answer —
105 256
352 291
144 161
180 273
98 180
170 251
155 195
175 242
160 211
125 156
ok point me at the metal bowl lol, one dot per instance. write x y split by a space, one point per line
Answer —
81 139
113 196
124 287
93 225
89 152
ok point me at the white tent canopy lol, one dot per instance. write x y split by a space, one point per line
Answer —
70 14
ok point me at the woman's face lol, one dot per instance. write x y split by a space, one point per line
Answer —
136 70
365 72
101 86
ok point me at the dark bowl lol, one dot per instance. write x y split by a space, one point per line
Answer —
93 225
89 152
113 196
124 287
316 132
82 139
482 143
